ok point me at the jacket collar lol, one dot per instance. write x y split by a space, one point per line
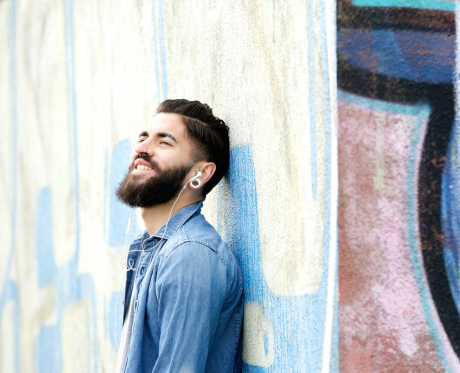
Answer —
176 221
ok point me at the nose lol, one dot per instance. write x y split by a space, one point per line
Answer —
143 148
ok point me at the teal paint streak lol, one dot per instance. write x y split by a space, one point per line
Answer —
329 164
334 365
418 4
450 211
383 106
424 112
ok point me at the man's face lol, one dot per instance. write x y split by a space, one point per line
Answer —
159 163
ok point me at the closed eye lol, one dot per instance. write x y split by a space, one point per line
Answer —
143 136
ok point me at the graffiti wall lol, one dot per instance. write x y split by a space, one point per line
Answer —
79 80
398 186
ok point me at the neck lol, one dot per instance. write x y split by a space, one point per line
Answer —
155 217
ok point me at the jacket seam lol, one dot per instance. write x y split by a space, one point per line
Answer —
165 255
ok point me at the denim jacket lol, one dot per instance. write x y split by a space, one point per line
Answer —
188 304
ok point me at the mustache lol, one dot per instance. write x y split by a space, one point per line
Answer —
148 159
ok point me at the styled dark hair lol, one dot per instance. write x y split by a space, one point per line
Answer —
208 133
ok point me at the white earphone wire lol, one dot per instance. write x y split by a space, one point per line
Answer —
131 262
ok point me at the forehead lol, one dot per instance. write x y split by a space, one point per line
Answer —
169 123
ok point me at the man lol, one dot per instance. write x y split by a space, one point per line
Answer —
183 297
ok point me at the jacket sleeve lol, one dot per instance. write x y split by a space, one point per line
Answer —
191 288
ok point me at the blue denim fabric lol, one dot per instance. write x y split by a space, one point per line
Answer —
188 308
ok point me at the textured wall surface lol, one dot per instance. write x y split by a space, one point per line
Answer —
399 187
80 79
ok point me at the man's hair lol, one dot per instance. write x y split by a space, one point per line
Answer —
208 133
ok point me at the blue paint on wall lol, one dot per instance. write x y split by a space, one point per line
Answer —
298 322
375 105
163 50
242 220
119 213
329 163
68 8
334 365
106 188
9 291
49 349
156 50
450 212
414 55
220 211
70 287
311 98
14 144
45 257
420 4
325 63
10 294
160 50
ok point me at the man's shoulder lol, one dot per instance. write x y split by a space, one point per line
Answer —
199 233
196 230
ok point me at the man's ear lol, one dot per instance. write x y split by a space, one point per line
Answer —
207 170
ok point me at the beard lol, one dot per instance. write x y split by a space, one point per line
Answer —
154 190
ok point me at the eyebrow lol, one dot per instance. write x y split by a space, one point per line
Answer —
159 134
166 134
143 134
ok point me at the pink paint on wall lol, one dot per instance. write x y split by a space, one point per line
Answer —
383 326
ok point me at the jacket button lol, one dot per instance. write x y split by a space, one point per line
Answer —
142 271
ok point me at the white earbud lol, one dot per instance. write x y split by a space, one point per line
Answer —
194 181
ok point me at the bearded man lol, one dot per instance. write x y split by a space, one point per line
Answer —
183 298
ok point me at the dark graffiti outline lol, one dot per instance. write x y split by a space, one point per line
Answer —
440 97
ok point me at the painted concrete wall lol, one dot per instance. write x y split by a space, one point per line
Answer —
78 81
399 186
